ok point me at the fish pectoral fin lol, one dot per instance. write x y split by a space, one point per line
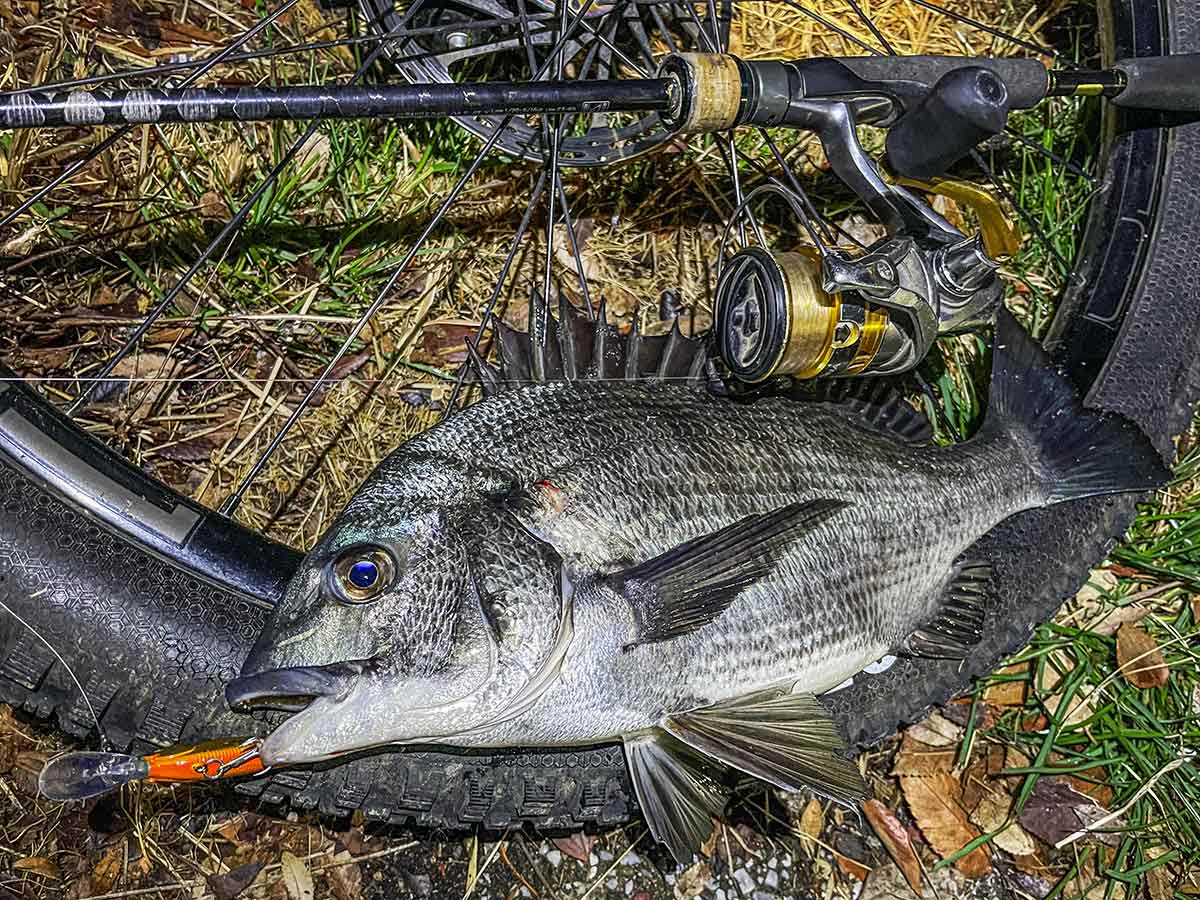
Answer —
688 586
678 792
958 626
786 739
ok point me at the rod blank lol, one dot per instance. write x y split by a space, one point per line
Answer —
395 101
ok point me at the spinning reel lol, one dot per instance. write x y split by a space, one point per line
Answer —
825 312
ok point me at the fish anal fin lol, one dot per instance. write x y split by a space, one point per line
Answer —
678 797
958 626
689 585
786 739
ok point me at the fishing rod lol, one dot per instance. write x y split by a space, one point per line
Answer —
55 109
757 92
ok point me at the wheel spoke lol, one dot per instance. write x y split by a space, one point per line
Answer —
841 32
573 239
230 228
982 26
121 132
486 320
870 23
231 503
1051 155
812 220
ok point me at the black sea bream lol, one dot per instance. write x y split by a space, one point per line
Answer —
574 562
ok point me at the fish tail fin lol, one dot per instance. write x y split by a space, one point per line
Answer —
1077 452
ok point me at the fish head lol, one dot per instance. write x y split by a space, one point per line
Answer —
409 622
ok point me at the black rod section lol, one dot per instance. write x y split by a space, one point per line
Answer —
396 101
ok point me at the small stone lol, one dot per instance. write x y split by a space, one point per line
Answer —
554 856
632 859
763 895
605 855
720 895
772 878
745 881
611 884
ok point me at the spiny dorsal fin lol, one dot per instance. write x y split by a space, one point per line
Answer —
576 347
678 798
785 739
688 586
487 374
958 626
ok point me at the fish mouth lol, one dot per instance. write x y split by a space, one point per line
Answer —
291 689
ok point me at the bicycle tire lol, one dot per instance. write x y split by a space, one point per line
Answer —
154 602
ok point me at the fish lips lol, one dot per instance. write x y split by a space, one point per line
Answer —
293 689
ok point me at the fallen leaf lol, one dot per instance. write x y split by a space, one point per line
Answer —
1079 710
709 847
693 882
1009 693
852 867
104 874
233 882
936 731
981 775
934 804
577 846
1100 585
1140 658
919 759
1159 882
38 865
444 341
564 255
345 877
213 206
895 840
1056 810
297 880
812 819
887 883
991 813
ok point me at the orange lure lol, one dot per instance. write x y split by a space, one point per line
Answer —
75 776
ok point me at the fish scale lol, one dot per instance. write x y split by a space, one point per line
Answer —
578 562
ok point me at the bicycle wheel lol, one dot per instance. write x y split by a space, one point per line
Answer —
153 600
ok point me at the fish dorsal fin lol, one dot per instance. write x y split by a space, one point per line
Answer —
786 739
678 798
958 626
873 402
689 585
576 347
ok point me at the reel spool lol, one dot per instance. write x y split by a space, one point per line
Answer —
773 318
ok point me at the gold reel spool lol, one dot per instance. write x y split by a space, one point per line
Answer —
773 317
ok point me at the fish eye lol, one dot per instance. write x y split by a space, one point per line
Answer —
361 574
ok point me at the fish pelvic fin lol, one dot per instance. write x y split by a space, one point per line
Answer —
786 739
680 793
688 586
1077 452
958 625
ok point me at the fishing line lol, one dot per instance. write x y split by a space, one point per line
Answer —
105 744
